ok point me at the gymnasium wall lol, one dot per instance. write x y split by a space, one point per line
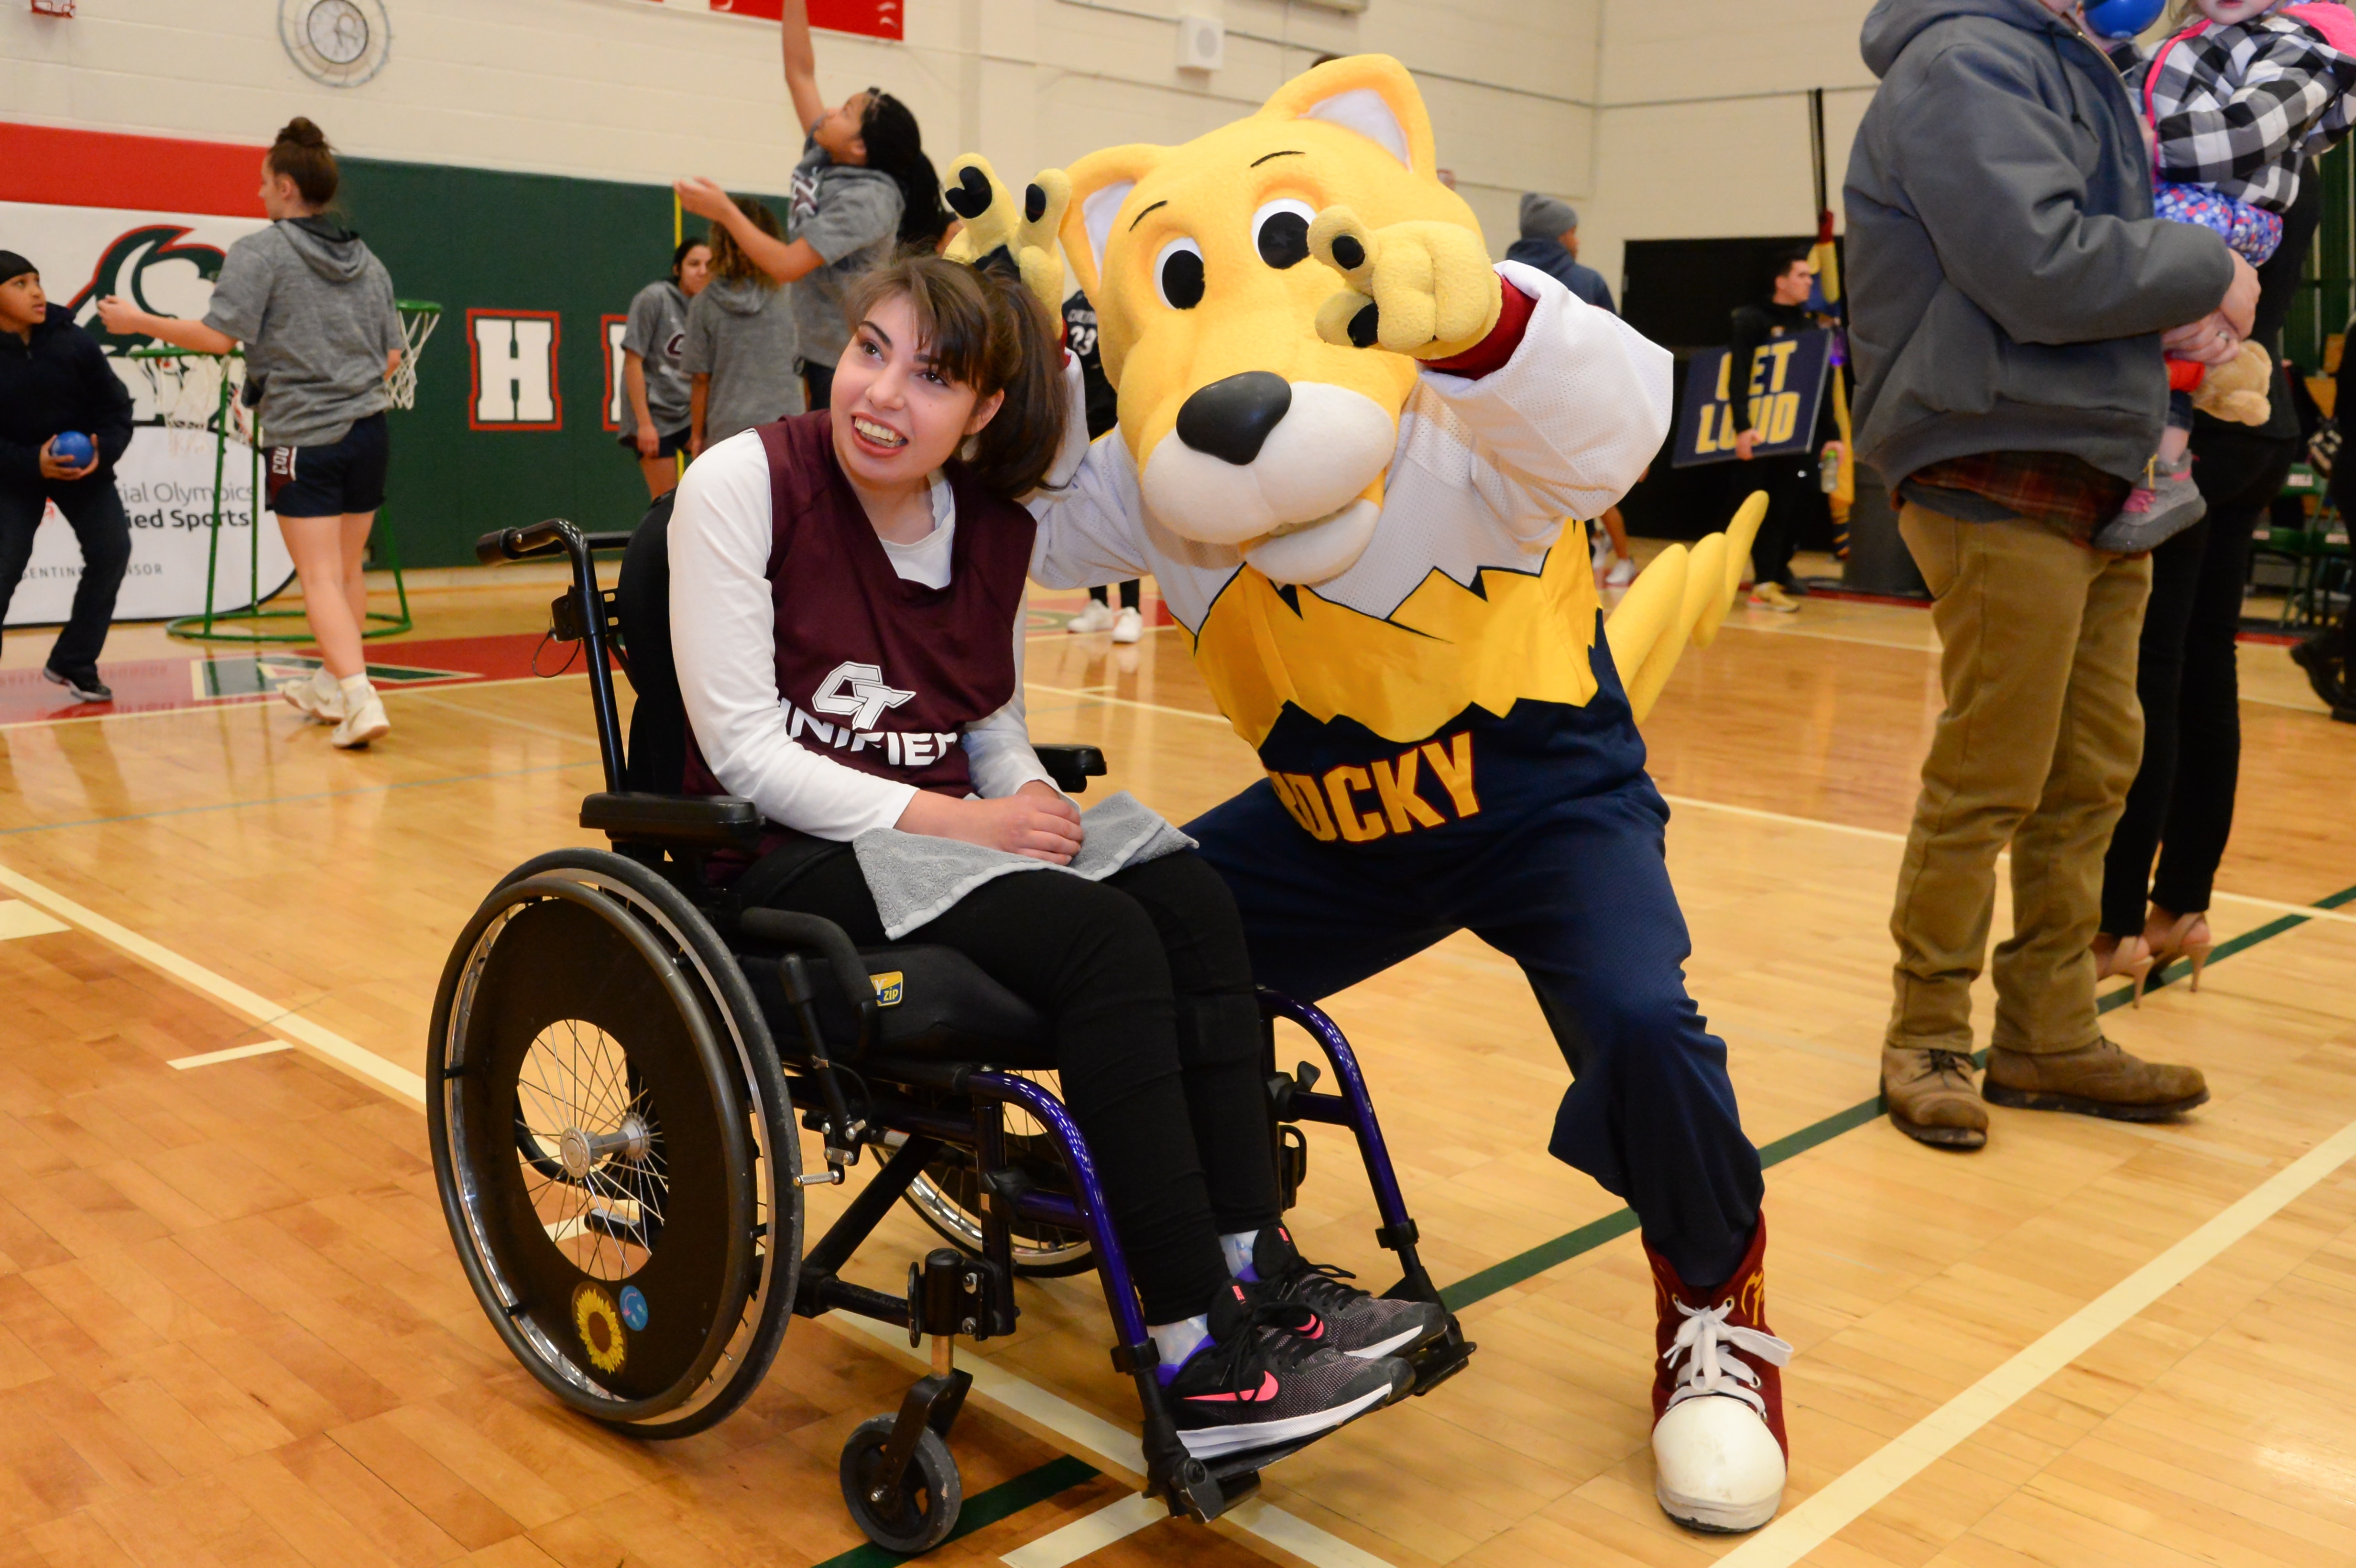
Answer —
1703 127
511 157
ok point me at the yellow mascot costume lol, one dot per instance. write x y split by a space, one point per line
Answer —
1348 447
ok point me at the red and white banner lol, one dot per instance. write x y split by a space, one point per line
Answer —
168 261
874 18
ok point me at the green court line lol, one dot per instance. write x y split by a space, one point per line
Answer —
1527 1265
1003 1500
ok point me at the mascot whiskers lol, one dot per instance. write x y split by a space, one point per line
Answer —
1348 447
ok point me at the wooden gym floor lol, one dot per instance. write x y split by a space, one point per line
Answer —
231 1329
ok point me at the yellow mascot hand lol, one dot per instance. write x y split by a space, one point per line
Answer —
1421 288
999 230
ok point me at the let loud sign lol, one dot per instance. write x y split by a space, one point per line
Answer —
1787 387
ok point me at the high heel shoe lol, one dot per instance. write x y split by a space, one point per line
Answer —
2186 938
2130 955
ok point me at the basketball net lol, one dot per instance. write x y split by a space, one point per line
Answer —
418 321
184 389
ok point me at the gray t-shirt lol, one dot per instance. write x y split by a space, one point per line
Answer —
740 332
658 335
850 216
315 312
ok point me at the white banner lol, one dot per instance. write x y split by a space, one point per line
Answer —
165 262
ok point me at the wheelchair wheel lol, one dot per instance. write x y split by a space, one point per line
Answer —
930 1494
948 1197
614 1145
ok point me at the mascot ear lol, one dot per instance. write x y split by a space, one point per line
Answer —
1101 183
1370 94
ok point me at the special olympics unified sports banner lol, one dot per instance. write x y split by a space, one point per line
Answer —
1787 388
168 262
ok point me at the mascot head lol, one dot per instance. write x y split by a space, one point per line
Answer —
1247 427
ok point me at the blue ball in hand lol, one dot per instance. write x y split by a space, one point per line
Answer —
73 449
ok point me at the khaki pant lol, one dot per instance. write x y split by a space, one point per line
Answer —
2039 740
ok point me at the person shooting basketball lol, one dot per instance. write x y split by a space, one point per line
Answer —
314 309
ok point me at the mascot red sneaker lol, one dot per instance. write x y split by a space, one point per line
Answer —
1347 449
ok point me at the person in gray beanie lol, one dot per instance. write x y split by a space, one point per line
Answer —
1550 242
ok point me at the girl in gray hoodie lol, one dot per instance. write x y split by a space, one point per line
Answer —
315 312
740 344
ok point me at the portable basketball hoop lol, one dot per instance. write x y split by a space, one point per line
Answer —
201 400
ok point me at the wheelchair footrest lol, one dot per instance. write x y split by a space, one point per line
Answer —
1440 1361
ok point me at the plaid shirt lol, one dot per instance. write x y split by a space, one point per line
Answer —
2243 108
2050 487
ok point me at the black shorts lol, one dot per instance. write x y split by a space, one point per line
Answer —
332 481
671 445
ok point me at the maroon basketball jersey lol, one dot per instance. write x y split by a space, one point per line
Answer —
874 671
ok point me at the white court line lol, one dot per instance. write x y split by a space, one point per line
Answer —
1827 1512
1117 1447
2306 912
18 918
337 1051
234 1053
1115 1521
1218 719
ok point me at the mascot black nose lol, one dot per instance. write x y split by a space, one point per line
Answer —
1230 420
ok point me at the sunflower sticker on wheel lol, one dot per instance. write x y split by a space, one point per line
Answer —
600 1326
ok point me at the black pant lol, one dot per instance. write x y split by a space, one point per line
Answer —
817 381
1129 594
1793 491
1144 980
95 511
2188 679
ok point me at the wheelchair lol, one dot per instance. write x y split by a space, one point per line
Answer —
619 1060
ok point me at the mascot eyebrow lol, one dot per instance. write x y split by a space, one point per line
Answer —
1291 153
1140 217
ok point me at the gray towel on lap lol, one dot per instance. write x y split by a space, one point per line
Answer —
914 878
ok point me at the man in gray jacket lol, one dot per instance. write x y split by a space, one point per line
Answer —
2010 295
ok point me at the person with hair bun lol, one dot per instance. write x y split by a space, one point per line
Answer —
863 187
314 309
847 617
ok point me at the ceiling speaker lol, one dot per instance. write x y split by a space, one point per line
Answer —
1202 43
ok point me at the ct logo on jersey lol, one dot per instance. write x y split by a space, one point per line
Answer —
858 692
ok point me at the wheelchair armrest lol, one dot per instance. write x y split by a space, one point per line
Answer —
689 822
1071 766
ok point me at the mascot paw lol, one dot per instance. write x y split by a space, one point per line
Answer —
1422 288
1017 236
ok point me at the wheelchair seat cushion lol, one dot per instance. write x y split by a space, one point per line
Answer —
934 1004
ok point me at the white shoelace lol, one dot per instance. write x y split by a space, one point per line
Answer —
1715 1367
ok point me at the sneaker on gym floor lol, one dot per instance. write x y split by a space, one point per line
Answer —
2319 656
1257 1383
84 684
320 705
1097 617
1127 626
2156 511
365 723
1348 1319
1770 596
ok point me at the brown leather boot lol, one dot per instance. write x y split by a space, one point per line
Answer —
2099 1080
1930 1097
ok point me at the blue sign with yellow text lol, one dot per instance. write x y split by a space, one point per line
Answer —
1787 388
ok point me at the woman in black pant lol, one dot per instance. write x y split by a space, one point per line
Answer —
2187 677
846 613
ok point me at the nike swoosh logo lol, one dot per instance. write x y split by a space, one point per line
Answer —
1260 1396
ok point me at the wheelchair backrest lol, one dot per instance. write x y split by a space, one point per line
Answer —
657 753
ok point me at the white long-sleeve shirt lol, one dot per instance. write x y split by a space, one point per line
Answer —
1484 473
724 630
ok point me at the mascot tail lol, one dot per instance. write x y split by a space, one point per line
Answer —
1683 593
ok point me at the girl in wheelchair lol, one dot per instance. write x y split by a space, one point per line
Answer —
847 619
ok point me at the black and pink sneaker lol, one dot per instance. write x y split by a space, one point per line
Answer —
1349 1319
1257 1383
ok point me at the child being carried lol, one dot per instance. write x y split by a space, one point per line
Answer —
2237 102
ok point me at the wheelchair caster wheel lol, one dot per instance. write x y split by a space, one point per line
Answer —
929 1495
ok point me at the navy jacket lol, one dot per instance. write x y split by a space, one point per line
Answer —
61 381
1550 256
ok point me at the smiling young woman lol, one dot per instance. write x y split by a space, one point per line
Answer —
846 600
